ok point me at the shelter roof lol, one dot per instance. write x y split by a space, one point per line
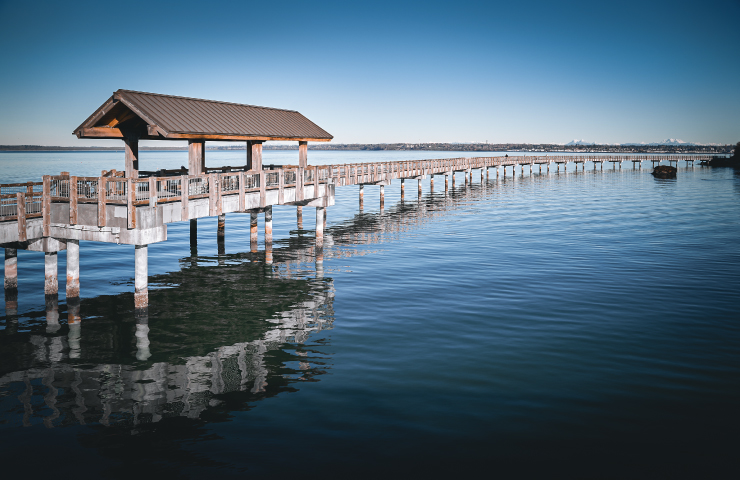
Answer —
152 116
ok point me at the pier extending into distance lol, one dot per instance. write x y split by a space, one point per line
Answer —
134 206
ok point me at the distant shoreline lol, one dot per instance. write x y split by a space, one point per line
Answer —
437 147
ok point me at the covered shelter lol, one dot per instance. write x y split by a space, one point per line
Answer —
132 116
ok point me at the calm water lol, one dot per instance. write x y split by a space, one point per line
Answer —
551 325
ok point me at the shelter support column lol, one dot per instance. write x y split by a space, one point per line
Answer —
196 157
302 154
141 280
131 147
254 155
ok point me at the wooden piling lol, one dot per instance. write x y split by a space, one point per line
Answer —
268 226
11 269
320 228
299 217
51 281
253 232
382 196
221 233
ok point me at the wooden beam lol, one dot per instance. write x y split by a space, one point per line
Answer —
99 132
256 155
132 156
116 120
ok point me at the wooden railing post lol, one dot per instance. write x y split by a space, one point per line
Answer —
281 184
72 200
152 191
102 191
262 178
185 197
242 200
21 209
210 178
46 206
130 199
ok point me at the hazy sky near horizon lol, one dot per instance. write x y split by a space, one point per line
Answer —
383 72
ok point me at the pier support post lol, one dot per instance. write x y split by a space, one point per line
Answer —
73 269
447 177
73 282
141 280
11 269
268 226
193 237
320 213
431 183
453 179
221 227
403 187
362 195
382 196
253 233
299 217
51 280
419 182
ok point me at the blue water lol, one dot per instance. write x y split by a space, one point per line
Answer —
574 325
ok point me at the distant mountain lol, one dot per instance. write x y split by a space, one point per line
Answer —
673 141
579 142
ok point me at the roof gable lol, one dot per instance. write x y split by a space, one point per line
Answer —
167 117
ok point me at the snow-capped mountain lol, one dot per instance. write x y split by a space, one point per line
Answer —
579 142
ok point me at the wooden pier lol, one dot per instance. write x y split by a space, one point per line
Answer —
134 206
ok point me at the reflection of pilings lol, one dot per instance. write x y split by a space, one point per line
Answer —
11 311
73 269
382 196
320 228
142 338
431 183
299 217
253 234
447 188
52 312
11 269
268 235
194 237
51 281
141 279
73 338
419 181
403 187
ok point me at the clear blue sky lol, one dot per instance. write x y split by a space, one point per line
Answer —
527 71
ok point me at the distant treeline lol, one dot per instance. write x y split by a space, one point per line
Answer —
454 147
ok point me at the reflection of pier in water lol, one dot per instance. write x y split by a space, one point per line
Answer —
228 324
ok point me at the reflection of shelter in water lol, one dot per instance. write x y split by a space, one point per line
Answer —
87 372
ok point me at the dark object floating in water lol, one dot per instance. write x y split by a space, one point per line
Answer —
664 171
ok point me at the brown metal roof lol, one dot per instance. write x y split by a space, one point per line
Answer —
174 118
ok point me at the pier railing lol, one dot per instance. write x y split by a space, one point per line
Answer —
21 201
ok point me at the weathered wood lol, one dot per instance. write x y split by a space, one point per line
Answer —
152 191
196 157
131 145
263 182
46 206
184 197
212 192
242 199
281 186
102 216
100 132
21 215
256 155
130 200
72 200
303 154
